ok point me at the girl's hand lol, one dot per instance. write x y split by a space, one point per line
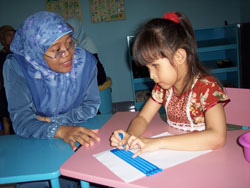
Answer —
72 134
143 144
134 142
116 140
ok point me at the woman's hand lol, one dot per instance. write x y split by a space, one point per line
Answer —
42 118
72 134
116 140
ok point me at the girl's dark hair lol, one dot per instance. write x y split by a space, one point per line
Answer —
161 38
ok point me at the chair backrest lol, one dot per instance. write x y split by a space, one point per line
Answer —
238 109
106 97
106 101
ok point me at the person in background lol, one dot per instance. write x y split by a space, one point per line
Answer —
6 35
51 85
193 99
85 42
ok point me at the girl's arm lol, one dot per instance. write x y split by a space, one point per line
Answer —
212 138
137 126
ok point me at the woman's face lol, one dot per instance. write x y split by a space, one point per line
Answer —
60 54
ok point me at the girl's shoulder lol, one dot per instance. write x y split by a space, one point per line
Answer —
208 89
207 82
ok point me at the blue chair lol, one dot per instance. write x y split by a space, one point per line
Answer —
106 97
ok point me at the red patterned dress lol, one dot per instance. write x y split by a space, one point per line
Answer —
187 112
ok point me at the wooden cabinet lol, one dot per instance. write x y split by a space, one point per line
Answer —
217 51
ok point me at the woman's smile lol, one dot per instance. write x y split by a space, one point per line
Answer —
67 63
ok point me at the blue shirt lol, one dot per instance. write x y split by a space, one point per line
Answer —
24 114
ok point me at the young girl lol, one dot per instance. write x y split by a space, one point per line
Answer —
192 98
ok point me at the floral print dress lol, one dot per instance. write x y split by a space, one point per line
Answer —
187 112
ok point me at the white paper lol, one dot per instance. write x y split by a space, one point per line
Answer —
161 158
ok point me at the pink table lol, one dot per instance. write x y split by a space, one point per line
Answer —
221 168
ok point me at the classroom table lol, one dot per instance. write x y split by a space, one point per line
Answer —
29 159
223 168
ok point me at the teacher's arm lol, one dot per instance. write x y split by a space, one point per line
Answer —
20 104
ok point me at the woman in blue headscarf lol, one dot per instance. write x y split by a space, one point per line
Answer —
51 85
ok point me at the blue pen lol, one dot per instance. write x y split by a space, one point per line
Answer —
121 136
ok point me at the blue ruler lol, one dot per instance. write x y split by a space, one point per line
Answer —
139 163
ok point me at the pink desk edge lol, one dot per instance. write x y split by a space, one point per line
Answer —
220 168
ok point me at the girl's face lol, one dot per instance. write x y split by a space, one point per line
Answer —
60 54
163 73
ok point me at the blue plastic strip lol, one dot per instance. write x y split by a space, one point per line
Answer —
139 163
148 169
145 164
131 162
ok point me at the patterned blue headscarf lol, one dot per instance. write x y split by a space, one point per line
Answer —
53 93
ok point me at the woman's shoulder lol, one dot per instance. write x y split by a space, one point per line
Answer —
11 61
11 65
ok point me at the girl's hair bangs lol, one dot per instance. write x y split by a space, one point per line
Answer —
147 48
